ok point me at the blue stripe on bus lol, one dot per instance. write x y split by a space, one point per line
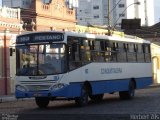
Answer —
98 87
118 85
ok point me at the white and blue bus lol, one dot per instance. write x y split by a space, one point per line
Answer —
80 66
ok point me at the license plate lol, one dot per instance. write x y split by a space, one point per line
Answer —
37 95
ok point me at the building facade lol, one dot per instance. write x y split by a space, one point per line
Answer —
45 14
96 12
92 12
10 27
151 33
155 48
128 9
38 16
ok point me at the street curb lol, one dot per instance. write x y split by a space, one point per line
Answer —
7 99
12 99
154 86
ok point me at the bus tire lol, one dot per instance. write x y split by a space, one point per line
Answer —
97 97
83 99
42 102
128 94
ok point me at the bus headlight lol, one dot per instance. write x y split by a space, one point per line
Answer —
21 88
57 86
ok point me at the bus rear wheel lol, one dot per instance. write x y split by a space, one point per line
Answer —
42 102
130 93
83 99
97 97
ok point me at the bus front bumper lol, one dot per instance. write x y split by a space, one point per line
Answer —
67 91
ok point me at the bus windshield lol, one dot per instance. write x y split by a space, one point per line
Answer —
44 59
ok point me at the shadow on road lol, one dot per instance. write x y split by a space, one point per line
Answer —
61 110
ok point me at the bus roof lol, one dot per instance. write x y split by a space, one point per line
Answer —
112 38
94 36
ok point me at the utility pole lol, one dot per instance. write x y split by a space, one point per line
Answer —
146 16
108 12
5 62
11 3
109 31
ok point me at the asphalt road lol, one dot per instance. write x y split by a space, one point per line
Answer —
145 106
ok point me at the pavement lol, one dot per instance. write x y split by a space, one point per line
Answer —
7 98
12 98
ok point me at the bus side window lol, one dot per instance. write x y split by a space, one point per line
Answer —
131 53
114 51
121 53
147 53
144 52
102 44
140 53
91 44
85 51
73 53
126 47
99 51
107 51
135 47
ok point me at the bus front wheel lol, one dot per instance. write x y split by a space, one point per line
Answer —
83 99
128 94
42 102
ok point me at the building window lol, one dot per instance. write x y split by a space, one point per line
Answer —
96 7
96 16
119 24
23 2
27 3
121 5
80 18
122 15
46 1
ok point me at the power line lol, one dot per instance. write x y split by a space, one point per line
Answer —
115 6
110 11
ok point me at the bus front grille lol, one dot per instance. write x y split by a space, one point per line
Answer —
38 87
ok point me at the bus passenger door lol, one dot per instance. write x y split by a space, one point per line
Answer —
74 60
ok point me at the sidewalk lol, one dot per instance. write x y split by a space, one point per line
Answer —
11 98
7 98
154 85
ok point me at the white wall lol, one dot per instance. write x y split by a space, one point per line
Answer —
86 14
143 11
156 11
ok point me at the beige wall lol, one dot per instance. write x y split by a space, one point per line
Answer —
45 16
0 61
10 63
155 49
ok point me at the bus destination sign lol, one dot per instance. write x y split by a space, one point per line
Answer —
40 37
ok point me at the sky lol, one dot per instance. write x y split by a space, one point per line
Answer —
157 10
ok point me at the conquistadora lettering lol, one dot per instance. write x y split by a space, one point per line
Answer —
111 70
